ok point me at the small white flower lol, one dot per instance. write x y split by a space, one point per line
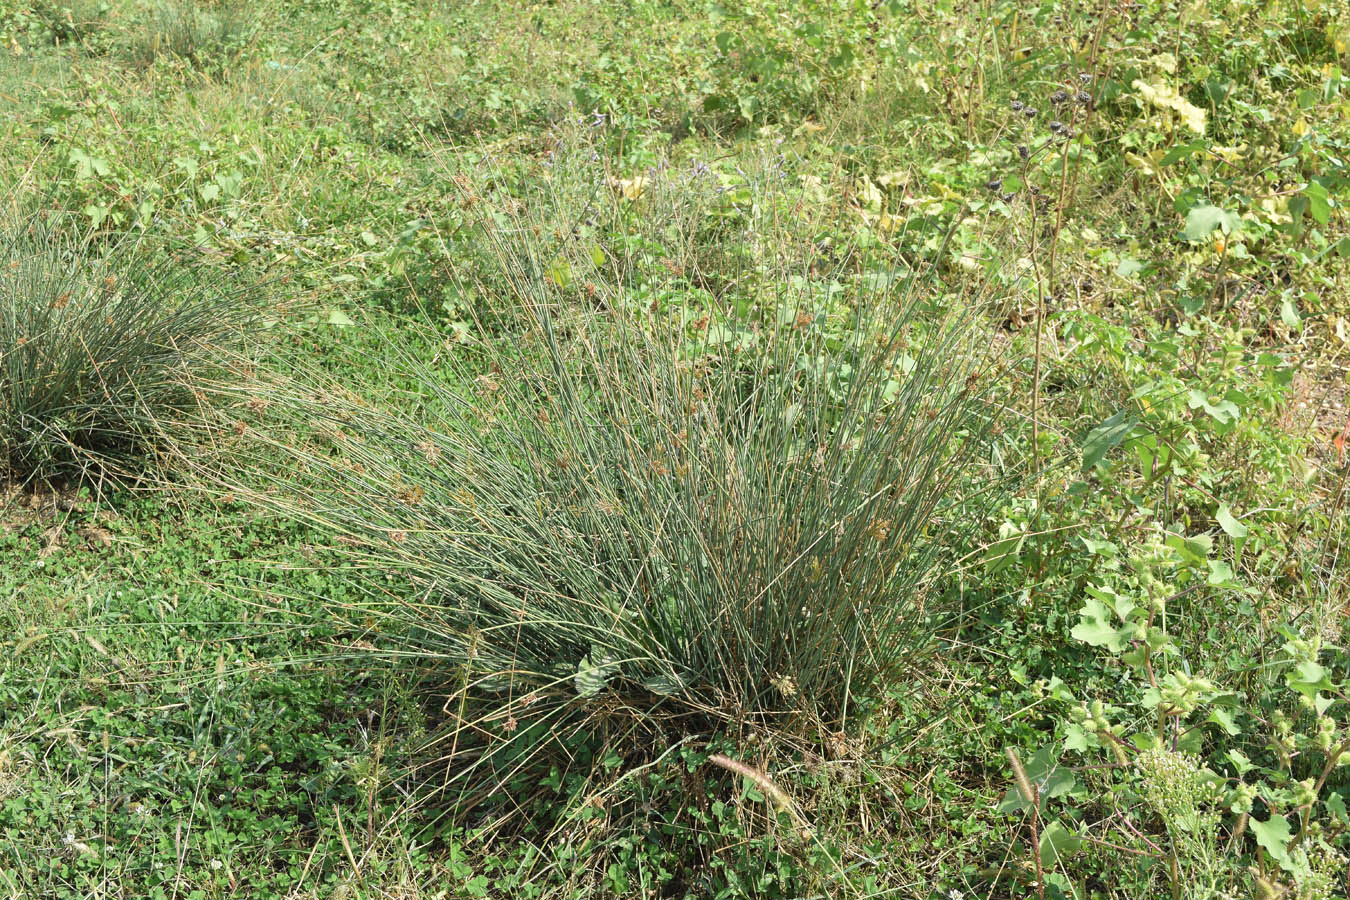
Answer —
69 839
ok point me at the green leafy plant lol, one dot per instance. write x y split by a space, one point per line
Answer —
774 61
1227 782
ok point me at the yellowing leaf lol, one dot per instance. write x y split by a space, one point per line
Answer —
1165 61
814 188
632 188
559 272
1164 96
1337 326
1141 163
868 194
888 224
1276 210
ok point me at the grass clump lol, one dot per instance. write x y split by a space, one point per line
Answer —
95 348
736 517
201 35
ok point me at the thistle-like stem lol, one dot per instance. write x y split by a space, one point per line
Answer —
1027 789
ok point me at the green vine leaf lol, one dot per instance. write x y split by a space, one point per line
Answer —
1106 437
1058 841
1273 836
1201 222
1230 524
1096 628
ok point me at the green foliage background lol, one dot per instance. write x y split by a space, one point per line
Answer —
1154 192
